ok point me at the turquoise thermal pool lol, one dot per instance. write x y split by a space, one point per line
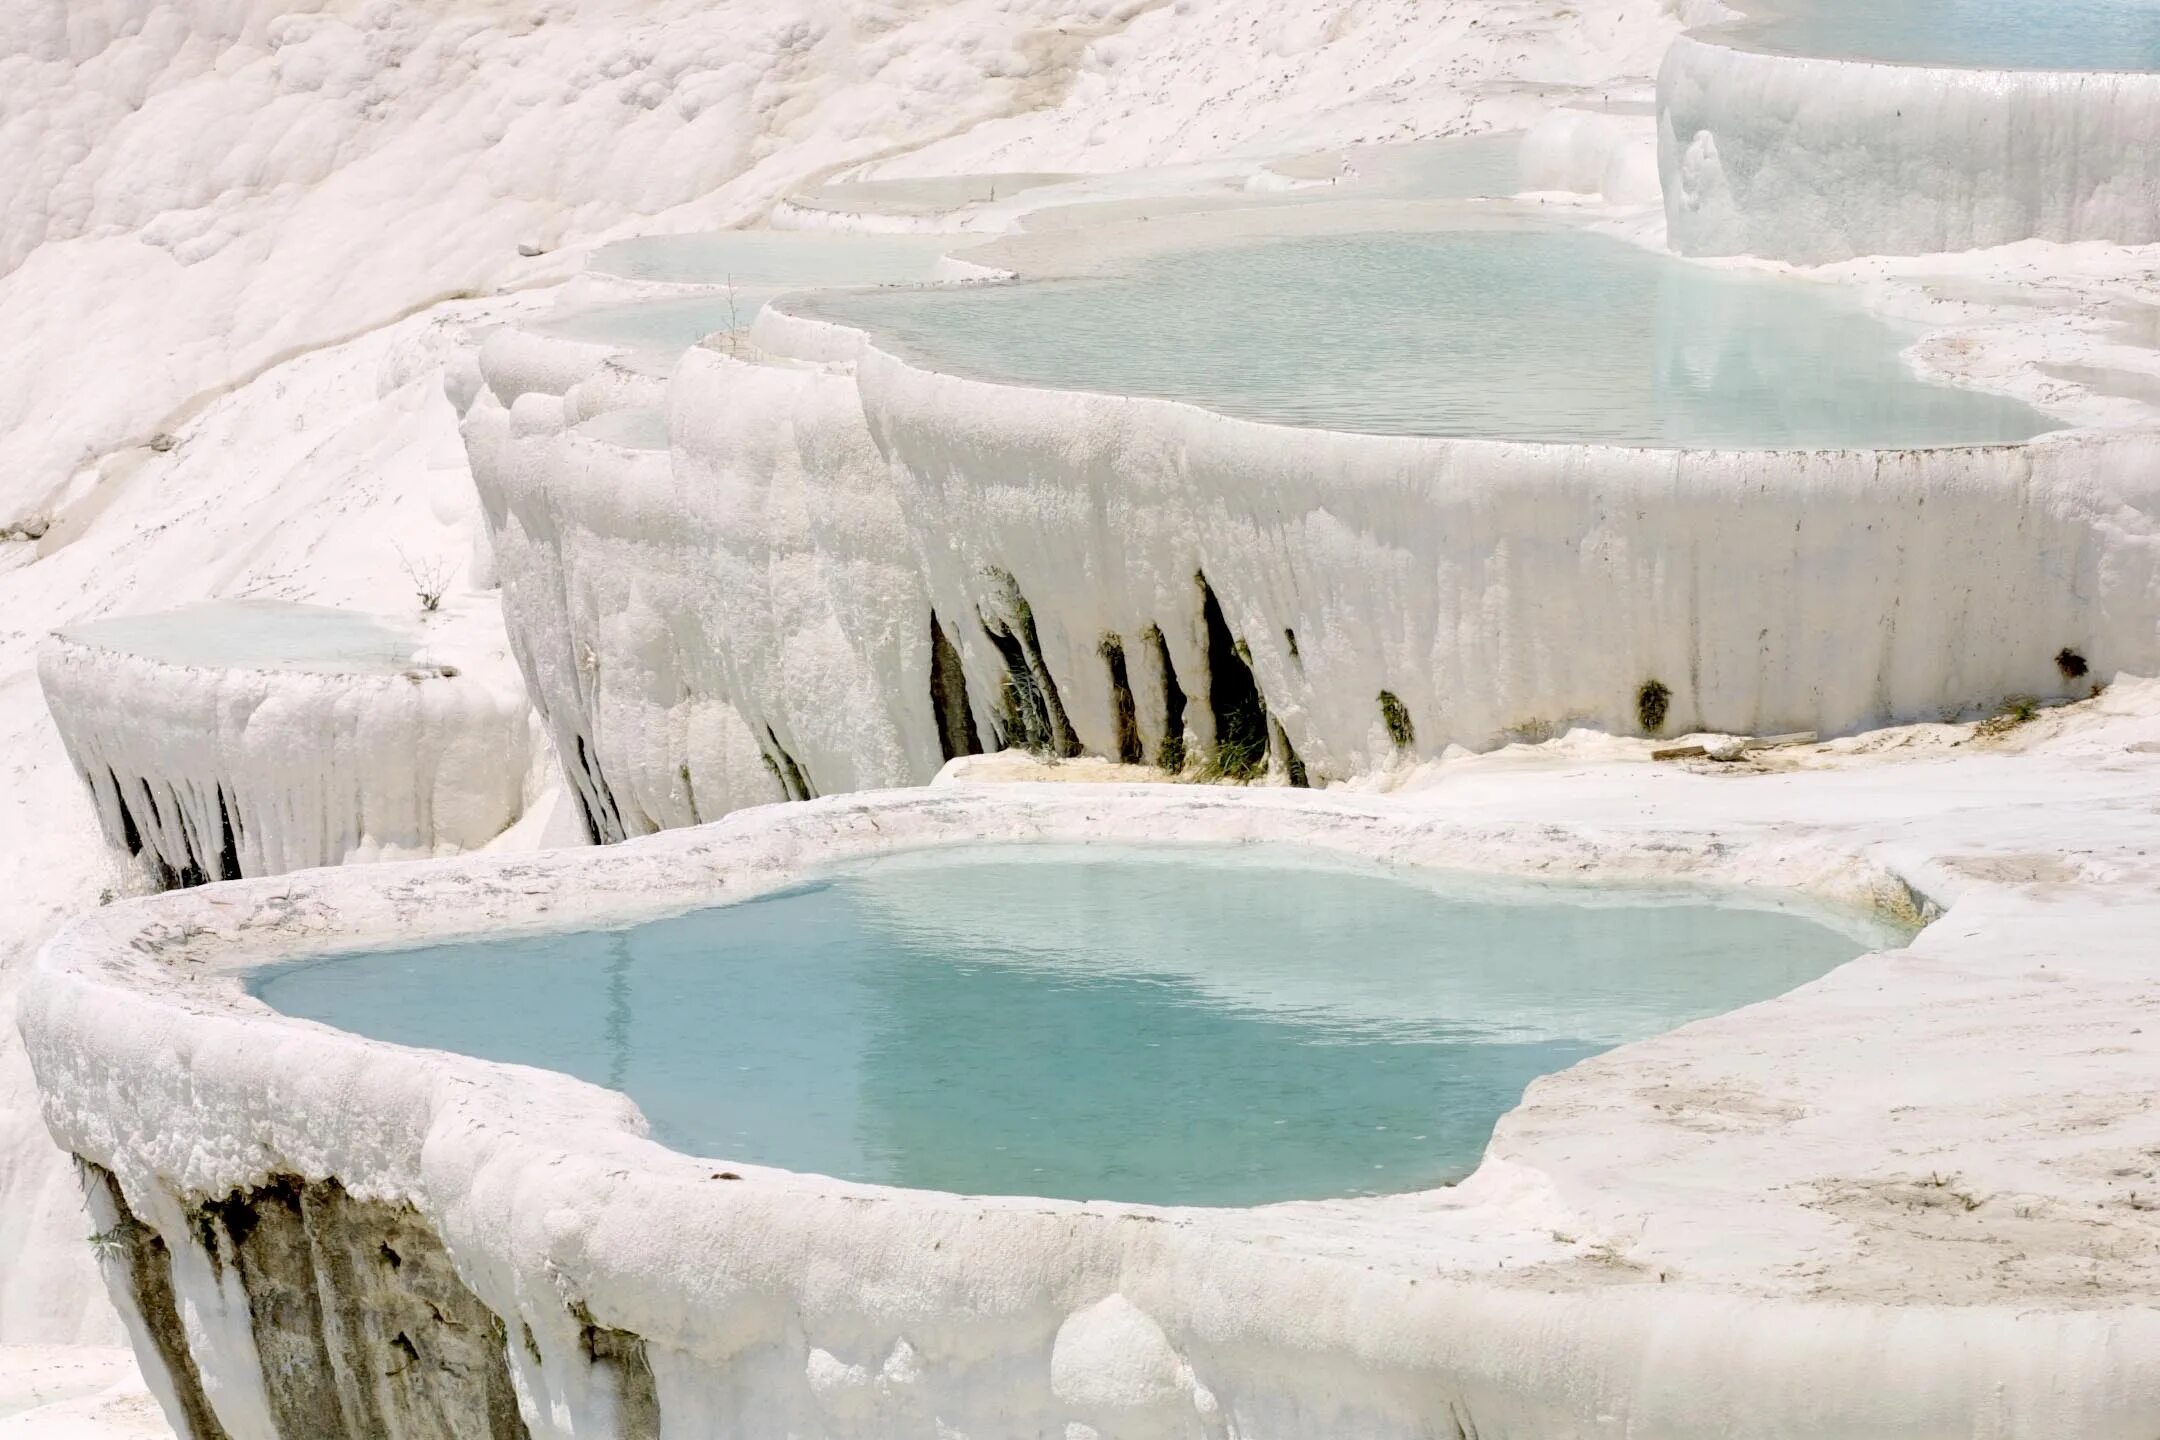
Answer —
742 270
776 259
657 331
1195 1025
1512 334
1976 34
256 635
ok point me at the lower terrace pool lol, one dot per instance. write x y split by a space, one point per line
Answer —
1978 34
1557 335
1189 1025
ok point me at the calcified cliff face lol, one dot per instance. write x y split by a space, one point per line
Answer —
1722 1229
1811 160
202 773
797 597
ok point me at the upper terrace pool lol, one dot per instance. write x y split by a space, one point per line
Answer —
1193 1025
1977 34
1558 335
256 635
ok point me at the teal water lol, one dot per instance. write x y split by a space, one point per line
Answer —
257 635
657 331
1981 34
1508 334
1179 1026
781 259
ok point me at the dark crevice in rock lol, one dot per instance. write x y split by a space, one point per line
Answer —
192 871
1653 702
1170 755
1241 737
228 858
1062 739
130 833
149 1279
1124 715
1395 716
595 801
621 1355
362 1325
784 769
956 731
1020 719
1293 767
1030 711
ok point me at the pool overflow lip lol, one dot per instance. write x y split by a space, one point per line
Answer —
1190 965
1028 707
614 1354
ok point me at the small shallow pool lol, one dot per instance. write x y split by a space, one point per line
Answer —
1187 1026
1506 334
656 332
256 635
776 259
1977 34
636 429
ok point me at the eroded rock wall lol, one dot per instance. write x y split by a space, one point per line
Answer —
1142 580
207 774
1812 160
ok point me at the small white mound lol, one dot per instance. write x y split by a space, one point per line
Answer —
252 738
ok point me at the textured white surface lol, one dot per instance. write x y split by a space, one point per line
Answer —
1812 160
1763 1223
305 768
203 204
780 574
303 485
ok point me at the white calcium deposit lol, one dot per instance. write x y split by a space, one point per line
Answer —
1903 1199
257 261
259 770
1813 159
215 217
769 585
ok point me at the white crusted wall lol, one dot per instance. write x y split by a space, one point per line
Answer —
1814 160
784 565
309 769
1610 152
1704 1235
615 631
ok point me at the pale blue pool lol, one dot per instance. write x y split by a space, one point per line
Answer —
657 332
257 635
1508 334
1978 34
778 259
1190 1025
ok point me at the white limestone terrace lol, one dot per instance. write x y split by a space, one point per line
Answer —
253 737
235 228
1817 130
849 567
1913 1197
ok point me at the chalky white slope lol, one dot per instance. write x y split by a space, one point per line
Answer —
302 486
193 194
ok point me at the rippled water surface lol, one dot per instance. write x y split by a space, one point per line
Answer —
1183 1026
1509 334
